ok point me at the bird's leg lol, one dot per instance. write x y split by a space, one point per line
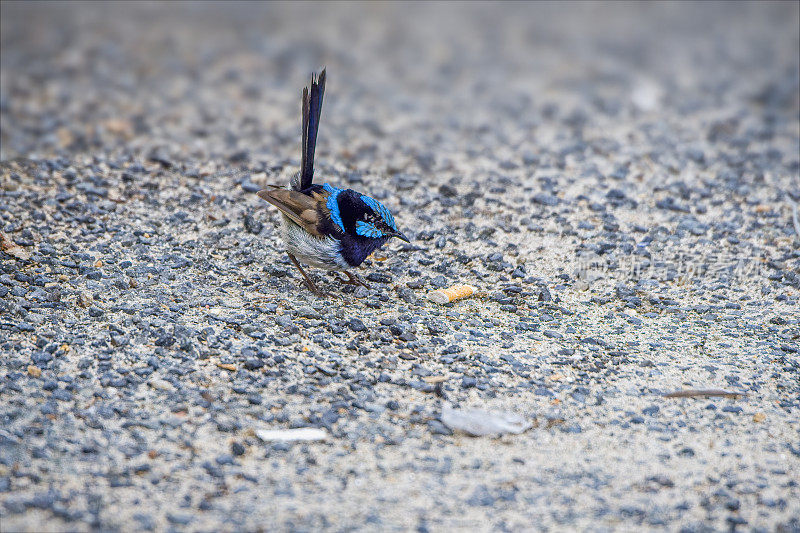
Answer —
353 279
310 284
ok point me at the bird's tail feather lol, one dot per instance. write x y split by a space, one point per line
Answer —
312 109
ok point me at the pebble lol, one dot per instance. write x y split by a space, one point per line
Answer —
355 324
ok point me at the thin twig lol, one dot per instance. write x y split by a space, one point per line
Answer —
692 393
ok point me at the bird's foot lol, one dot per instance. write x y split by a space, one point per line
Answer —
310 285
352 279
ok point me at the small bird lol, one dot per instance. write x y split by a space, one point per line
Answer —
324 226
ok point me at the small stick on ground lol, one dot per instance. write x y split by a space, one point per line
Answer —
694 393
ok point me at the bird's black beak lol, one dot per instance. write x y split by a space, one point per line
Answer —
400 236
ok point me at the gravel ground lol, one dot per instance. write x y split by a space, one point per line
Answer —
617 180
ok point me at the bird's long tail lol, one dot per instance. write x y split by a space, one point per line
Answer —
312 109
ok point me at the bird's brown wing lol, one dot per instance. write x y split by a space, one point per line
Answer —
302 209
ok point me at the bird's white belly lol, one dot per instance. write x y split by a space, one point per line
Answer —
320 252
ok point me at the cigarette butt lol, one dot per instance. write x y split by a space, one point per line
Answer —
451 294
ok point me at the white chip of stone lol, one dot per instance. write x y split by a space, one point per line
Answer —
299 434
161 384
477 422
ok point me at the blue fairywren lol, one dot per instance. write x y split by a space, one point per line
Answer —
324 226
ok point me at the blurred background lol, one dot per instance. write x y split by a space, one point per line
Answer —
413 87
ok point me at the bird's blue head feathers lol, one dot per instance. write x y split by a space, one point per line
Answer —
370 229
356 212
